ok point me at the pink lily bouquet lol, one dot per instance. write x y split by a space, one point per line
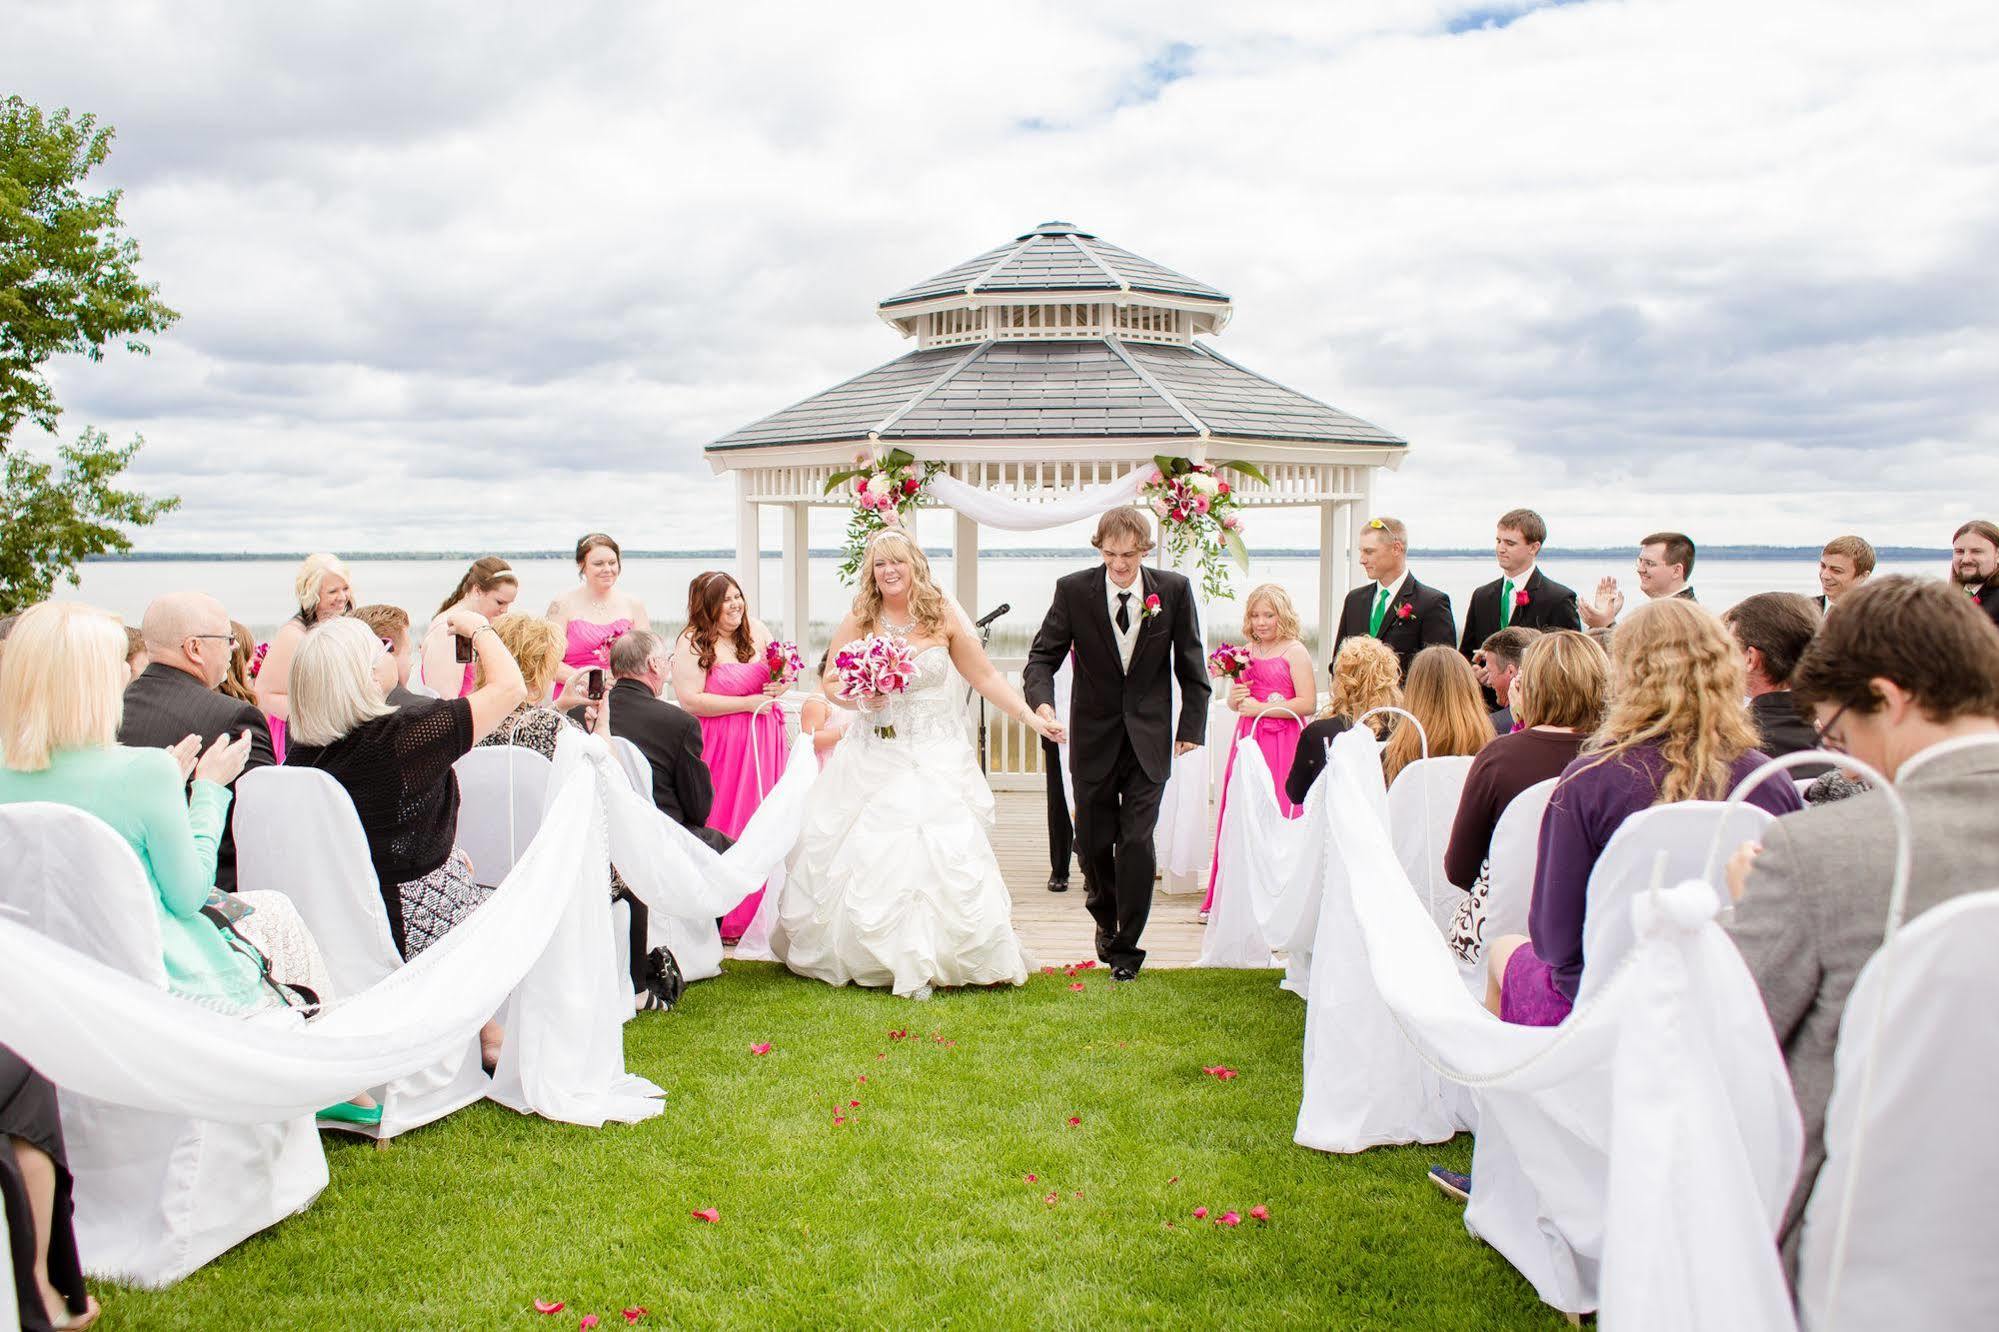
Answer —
1228 661
876 664
784 661
1200 515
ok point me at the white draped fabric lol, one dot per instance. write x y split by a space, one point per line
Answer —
1422 804
1233 937
1012 515
1636 1158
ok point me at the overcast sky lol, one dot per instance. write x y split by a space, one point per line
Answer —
489 276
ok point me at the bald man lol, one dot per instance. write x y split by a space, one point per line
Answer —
188 637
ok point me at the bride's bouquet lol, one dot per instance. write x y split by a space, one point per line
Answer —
876 664
784 661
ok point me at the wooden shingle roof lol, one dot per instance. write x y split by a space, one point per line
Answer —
1058 258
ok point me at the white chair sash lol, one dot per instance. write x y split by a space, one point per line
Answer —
1422 804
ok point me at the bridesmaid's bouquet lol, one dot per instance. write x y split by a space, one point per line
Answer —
1228 661
876 664
784 661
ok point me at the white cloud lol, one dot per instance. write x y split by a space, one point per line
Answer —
493 275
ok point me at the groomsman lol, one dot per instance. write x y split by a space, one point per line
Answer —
1665 563
1393 606
1974 565
1522 595
1843 565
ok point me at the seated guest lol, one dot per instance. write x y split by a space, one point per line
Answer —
826 721
488 588
239 683
190 642
1522 596
1974 565
1498 663
1675 730
1843 565
35 1197
1558 697
1905 677
1665 563
391 624
1773 630
323 592
136 659
1392 606
1441 693
666 735
1365 676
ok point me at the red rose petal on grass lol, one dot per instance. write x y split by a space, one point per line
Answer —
1220 1071
1174 1180
864 1077
1259 1213
1034 1179
1228 1219
1079 1193
1200 1213
1079 986
548 1306
708 1214
1090 965
636 1312
1074 1120
1050 1199
853 1105
839 1119
586 1322
760 1048
898 1034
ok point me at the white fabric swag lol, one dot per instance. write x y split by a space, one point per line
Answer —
1012 515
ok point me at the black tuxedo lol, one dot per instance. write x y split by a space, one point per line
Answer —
1549 605
1121 733
1417 617
670 739
1986 599
165 705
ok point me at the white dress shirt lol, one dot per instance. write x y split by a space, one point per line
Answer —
1126 639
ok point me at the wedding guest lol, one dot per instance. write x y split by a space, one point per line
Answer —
37 1203
1905 677
1558 698
1498 662
1974 565
1364 676
1602 637
1843 565
1392 606
323 591
593 613
190 641
1272 699
1773 630
391 624
136 659
239 683
1441 693
719 676
1665 563
488 588
670 739
1675 730
826 722
1522 595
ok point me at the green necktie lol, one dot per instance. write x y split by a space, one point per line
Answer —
1380 607
1506 603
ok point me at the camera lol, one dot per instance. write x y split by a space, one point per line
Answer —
594 684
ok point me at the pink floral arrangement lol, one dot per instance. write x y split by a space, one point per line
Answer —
885 486
257 659
1200 515
1228 660
876 665
784 661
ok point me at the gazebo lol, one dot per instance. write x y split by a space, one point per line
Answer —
1055 361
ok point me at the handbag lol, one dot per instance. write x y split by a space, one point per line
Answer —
223 910
664 983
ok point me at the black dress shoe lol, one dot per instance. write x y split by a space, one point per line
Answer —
1123 974
1057 884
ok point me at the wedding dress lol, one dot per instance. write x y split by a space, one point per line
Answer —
893 883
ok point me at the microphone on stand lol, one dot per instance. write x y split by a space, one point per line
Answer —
992 615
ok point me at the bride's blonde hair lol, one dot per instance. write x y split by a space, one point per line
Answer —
927 604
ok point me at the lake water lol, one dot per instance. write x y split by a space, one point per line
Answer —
258 592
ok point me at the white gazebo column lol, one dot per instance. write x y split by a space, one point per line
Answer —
965 563
1357 516
795 589
1331 573
748 542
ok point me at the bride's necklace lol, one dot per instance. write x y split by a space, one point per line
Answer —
895 630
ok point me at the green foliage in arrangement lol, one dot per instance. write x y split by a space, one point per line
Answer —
914 1207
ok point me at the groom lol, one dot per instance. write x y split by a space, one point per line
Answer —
1132 629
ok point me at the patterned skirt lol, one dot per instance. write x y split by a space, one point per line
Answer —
437 901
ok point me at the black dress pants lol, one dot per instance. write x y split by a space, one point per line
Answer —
1115 816
1061 835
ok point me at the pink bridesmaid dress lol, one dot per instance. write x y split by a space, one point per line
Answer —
589 645
745 757
1276 735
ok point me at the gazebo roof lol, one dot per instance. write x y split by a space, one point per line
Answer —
1058 258
1083 389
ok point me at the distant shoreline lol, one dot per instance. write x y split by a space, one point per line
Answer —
1029 553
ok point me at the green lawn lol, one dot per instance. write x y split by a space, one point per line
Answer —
915 1212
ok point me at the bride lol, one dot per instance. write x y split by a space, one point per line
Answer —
893 883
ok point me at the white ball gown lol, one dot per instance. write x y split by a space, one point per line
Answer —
893 883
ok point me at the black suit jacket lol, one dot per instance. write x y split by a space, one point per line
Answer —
164 706
1986 599
1107 703
1785 730
1549 606
671 741
1416 618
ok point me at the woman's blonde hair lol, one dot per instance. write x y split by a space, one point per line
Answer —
311 577
333 687
1442 694
1366 676
1676 681
1564 681
928 605
1279 602
62 683
531 642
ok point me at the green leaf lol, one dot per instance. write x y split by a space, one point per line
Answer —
1163 463
899 458
839 479
1233 540
1247 469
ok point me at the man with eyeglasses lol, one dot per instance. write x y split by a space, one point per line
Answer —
189 640
1904 676
1665 563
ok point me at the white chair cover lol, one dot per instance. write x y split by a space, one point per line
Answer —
1515 850
1232 937
296 833
1906 1151
695 944
157 1194
502 790
1422 804
633 761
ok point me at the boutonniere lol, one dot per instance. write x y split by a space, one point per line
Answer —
1151 607
1404 611
1520 598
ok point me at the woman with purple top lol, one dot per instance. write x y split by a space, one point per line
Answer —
1676 730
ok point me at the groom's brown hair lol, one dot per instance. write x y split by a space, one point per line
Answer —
1123 521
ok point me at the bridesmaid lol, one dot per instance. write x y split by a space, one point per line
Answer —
1280 677
593 614
488 588
720 677
324 591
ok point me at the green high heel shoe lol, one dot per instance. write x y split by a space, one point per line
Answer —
349 1113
